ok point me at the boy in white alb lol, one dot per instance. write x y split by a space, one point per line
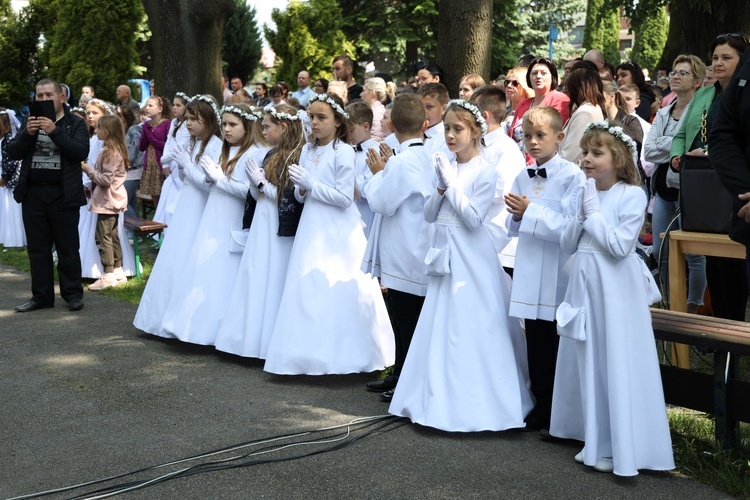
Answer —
498 149
540 204
397 191
359 124
435 98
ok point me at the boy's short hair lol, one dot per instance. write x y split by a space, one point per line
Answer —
435 90
490 98
359 112
408 114
543 115
631 88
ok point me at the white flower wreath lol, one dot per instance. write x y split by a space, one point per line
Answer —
327 99
74 109
284 116
108 108
210 102
474 111
252 116
183 96
618 133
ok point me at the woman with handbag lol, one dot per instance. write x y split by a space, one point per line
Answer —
727 278
685 79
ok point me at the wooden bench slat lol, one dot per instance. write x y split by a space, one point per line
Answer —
145 225
695 318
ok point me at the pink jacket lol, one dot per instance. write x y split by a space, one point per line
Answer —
109 195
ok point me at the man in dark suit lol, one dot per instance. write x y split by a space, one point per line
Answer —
50 190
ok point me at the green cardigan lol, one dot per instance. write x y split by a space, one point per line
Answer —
691 125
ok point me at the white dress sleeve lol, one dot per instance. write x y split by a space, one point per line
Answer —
342 192
619 239
473 209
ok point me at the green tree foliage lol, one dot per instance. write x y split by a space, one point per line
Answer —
21 58
522 27
602 30
242 44
403 31
307 37
94 43
650 38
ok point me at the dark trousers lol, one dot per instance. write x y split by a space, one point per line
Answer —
403 310
108 241
541 346
47 221
727 282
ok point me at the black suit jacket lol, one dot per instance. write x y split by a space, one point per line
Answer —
71 136
729 144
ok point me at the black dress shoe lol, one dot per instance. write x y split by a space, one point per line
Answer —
387 384
32 305
75 305
387 396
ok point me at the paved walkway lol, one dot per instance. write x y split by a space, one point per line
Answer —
85 396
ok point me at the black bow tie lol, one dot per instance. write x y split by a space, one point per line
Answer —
484 143
542 172
358 148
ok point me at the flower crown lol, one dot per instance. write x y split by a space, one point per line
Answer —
618 133
74 109
463 103
107 107
252 116
284 116
210 102
183 96
327 99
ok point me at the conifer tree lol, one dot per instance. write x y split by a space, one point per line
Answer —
93 43
242 44
602 30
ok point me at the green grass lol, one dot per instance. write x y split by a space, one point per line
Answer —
696 453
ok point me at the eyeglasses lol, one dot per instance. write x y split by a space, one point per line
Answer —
741 36
681 74
515 83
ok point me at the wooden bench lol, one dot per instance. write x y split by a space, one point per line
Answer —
143 227
721 394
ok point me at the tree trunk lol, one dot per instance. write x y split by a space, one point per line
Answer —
692 29
464 40
186 38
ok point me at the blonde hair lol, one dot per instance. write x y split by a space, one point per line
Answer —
337 88
468 119
520 73
383 93
540 116
474 80
622 158
697 68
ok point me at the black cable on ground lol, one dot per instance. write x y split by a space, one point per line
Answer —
340 440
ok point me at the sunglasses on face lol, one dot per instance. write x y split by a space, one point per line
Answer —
514 83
